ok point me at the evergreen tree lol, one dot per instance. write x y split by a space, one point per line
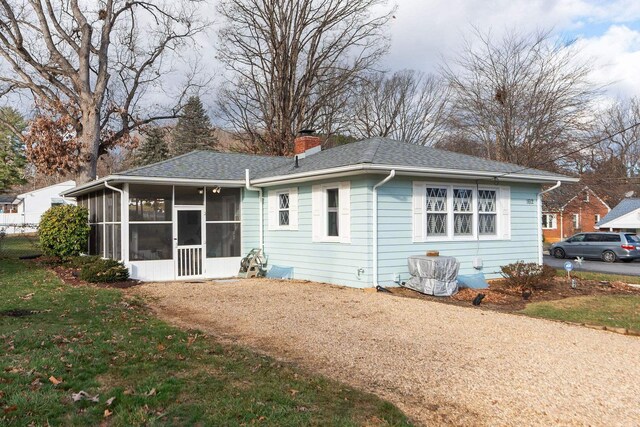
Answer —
193 131
154 148
12 158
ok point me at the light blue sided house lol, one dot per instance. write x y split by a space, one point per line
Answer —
350 215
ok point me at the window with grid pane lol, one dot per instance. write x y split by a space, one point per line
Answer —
333 202
436 211
487 212
462 212
283 208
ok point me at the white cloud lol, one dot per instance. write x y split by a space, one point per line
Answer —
616 59
426 31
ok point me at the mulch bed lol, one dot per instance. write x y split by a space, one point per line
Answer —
71 276
499 297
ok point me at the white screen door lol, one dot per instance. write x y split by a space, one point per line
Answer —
189 242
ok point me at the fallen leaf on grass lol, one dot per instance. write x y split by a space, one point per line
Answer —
107 413
191 340
161 347
10 409
110 400
151 392
83 395
294 392
54 380
27 297
128 392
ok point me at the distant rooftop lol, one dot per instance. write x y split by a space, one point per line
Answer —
624 207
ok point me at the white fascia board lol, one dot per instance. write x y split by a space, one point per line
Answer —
621 221
118 179
409 171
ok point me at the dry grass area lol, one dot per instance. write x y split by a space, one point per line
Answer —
440 363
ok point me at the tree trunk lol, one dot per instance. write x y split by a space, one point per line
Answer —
90 137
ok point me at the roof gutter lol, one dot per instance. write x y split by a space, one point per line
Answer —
85 188
404 170
392 174
539 210
248 186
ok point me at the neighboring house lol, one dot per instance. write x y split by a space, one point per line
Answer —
8 204
625 216
570 209
28 207
350 215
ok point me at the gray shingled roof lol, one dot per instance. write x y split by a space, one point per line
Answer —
384 151
622 208
5 198
379 151
557 198
210 165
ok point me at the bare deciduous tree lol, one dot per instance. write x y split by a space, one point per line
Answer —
290 60
96 58
407 105
525 98
622 137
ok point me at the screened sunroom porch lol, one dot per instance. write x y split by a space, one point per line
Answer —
167 232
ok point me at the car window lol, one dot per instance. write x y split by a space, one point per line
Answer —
592 237
610 237
632 238
576 238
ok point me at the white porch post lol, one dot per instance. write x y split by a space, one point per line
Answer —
124 221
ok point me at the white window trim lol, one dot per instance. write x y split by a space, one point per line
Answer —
274 209
419 211
576 220
320 206
554 221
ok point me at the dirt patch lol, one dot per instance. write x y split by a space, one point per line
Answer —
17 312
440 363
501 298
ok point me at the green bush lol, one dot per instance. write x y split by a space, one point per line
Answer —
104 271
527 275
80 261
64 231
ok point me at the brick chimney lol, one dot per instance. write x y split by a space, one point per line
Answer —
306 144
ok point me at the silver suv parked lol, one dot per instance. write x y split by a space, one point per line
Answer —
608 247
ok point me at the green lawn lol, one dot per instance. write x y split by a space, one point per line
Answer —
17 246
590 275
98 341
620 311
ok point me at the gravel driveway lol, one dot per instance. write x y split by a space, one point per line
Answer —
439 363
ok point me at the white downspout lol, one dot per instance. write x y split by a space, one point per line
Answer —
260 216
375 224
558 184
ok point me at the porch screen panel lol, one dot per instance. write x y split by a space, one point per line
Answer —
150 241
150 222
223 222
96 222
189 195
104 220
150 202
